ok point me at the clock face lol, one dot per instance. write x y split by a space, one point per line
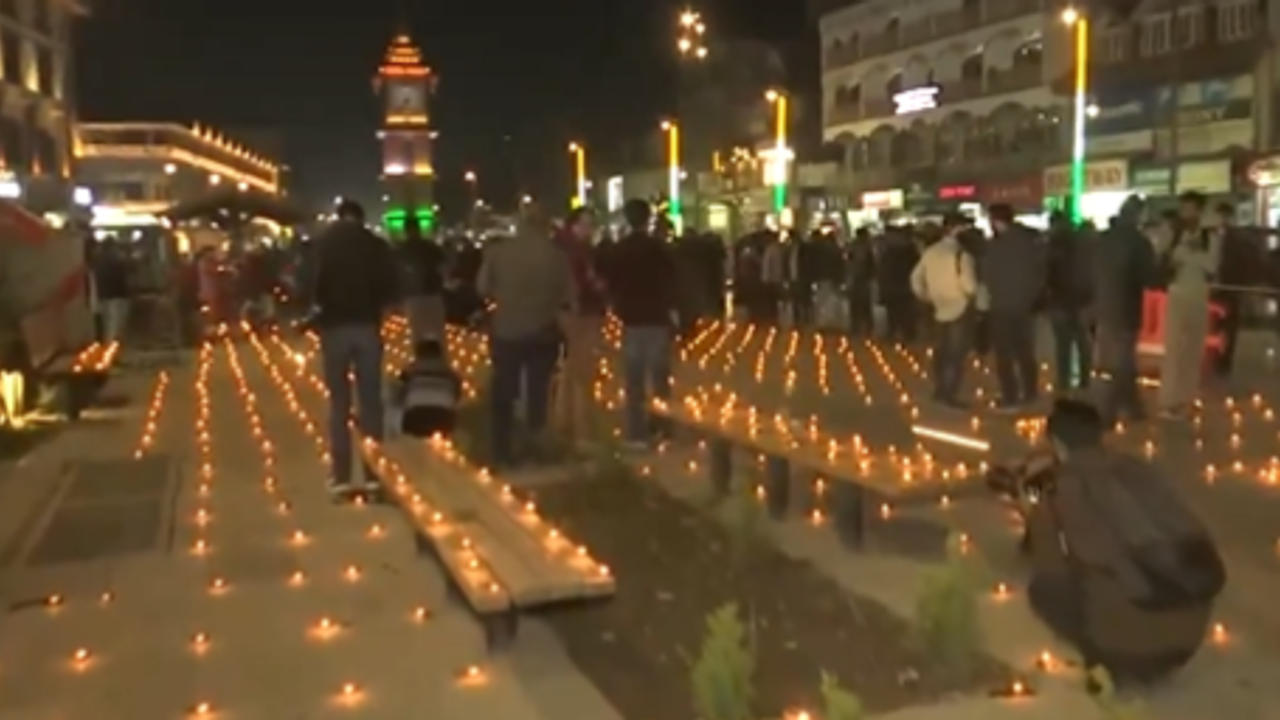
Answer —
406 100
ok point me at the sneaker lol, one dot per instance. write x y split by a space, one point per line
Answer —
370 484
340 488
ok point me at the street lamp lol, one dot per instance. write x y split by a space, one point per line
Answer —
779 101
675 211
1080 24
580 173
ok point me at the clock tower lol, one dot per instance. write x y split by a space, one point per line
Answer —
405 86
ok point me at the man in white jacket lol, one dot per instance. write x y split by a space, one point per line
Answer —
945 279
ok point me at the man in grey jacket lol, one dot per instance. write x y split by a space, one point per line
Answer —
1015 277
529 279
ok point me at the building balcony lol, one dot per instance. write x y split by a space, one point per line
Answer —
1118 60
934 27
997 82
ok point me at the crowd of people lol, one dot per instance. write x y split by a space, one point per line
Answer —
1121 567
980 295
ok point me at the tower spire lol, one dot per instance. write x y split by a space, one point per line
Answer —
402 16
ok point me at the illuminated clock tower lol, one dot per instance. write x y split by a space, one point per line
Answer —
405 85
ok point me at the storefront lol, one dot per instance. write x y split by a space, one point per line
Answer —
877 206
1106 185
1265 176
925 203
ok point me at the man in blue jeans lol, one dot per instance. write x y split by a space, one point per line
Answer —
529 280
642 296
354 284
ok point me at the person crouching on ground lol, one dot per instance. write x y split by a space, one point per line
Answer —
428 392
1121 568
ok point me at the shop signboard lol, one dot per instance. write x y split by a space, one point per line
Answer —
883 200
1099 176
1023 193
916 99
1152 181
1208 176
963 193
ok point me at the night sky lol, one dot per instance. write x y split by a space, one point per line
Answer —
518 79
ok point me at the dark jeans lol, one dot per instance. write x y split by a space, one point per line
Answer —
902 318
531 360
802 304
344 348
1013 337
646 358
1071 341
1117 356
950 351
861 321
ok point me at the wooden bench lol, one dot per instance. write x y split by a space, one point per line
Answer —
501 557
857 477
78 378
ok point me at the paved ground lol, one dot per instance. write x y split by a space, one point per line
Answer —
86 518
84 515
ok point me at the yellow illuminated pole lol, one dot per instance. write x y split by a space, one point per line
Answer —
580 174
779 101
1080 24
673 175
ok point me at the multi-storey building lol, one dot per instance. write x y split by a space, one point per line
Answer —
36 106
1181 94
936 102
134 172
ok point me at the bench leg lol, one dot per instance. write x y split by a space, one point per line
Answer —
849 500
721 465
500 629
777 478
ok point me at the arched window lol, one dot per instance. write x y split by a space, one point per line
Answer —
972 67
891 29
1029 54
854 95
894 86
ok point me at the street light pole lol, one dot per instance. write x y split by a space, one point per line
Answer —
673 180
1080 26
779 101
580 172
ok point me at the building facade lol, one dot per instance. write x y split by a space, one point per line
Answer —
132 173
1182 99
37 111
937 102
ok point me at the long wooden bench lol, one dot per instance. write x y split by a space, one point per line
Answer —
858 479
501 556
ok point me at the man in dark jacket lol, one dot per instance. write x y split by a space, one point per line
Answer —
643 299
354 283
1015 277
859 278
1070 292
899 258
1242 263
423 287
1126 265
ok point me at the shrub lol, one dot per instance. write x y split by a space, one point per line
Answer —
838 703
1112 707
721 676
947 624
